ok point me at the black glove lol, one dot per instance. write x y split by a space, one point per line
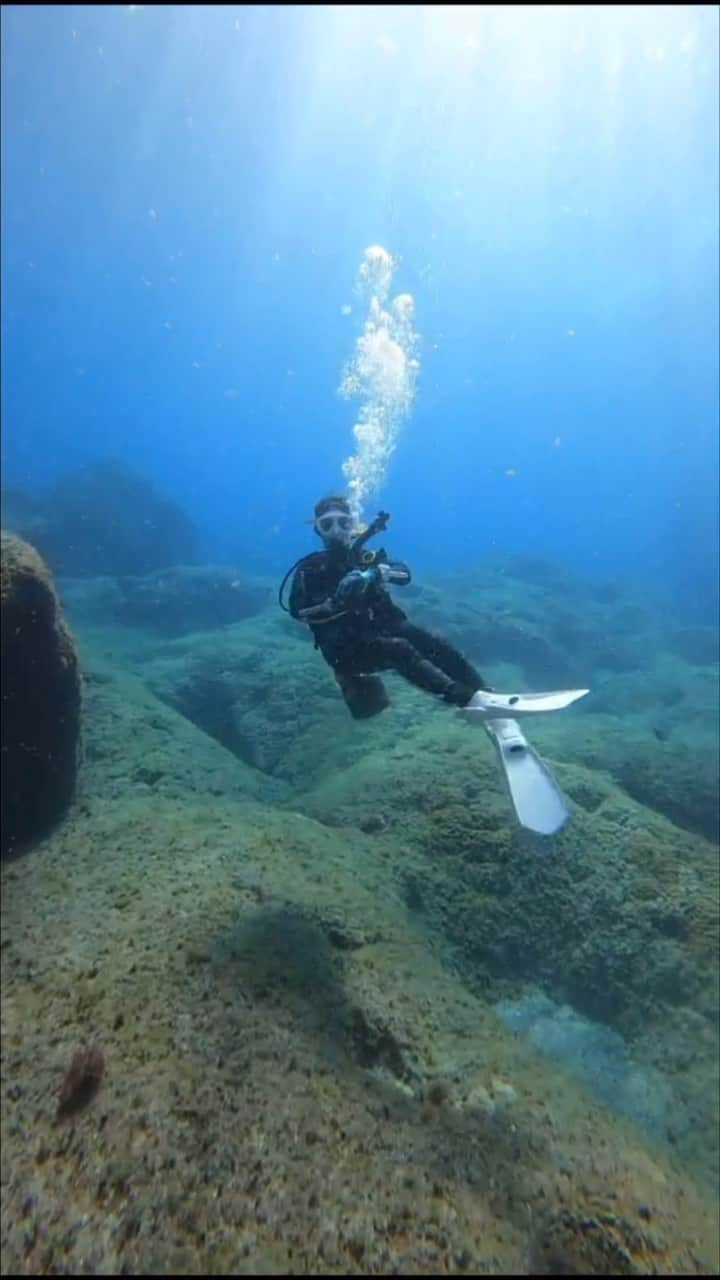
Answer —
353 588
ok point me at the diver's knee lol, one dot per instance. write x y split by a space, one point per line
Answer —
398 649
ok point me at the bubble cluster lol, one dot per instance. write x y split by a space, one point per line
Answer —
382 375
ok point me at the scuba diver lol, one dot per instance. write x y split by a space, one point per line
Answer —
341 594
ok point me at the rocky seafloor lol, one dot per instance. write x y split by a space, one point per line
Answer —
353 1020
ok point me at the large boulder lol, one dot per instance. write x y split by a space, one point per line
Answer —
40 698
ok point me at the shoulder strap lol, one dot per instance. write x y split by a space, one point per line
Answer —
311 558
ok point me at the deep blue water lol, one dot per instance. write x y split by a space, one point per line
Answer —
187 196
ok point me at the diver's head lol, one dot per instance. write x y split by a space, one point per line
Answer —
333 521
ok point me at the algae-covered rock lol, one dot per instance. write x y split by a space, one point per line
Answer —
266 697
576 1243
170 602
104 518
673 780
310 1072
672 776
190 598
40 698
696 644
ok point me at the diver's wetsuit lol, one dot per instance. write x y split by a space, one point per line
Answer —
376 635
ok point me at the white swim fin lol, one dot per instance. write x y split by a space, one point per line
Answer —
537 799
538 802
485 705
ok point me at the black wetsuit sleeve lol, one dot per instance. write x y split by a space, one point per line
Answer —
298 594
311 586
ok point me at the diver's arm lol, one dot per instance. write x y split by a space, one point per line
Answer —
301 606
298 595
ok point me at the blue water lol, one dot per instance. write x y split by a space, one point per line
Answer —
188 193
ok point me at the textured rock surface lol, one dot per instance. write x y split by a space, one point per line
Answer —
170 602
293 1081
40 718
353 1020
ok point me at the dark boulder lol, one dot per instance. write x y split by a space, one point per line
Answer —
40 698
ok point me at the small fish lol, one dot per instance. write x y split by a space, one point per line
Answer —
511 471
660 734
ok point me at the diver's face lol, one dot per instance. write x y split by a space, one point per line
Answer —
335 528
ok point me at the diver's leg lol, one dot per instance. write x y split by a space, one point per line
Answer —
396 652
364 695
354 666
442 654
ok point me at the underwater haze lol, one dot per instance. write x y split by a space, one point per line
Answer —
302 973
188 195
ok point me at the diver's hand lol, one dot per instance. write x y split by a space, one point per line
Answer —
352 589
318 612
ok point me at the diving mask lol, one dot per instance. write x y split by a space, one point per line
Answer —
335 524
